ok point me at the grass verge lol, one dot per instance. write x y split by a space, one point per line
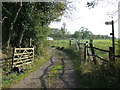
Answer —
95 76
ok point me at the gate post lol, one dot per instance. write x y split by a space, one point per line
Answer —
78 43
93 52
85 50
111 53
30 42
13 58
69 42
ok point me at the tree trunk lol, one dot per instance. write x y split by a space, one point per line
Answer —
12 25
9 36
21 37
8 41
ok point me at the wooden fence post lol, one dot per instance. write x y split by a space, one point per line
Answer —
33 53
30 42
49 43
76 45
93 52
13 57
52 43
69 42
85 51
111 52
78 42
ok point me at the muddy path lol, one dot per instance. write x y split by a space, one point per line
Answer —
58 72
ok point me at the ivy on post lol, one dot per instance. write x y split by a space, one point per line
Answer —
85 50
93 52
111 53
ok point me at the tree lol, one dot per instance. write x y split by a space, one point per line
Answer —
25 18
77 35
85 33
14 18
29 20
56 33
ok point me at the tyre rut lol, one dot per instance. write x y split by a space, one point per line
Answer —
38 79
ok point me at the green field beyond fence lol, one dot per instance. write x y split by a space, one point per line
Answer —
99 43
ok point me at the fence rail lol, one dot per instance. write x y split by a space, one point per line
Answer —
111 55
6 62
116 55
99 49
102 58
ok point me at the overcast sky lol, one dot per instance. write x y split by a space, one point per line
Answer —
94 19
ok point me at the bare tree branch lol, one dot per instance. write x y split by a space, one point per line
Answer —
10 14
3 19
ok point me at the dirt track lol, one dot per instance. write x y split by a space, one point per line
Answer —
38 79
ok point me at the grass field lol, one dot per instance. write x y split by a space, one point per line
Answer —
99 43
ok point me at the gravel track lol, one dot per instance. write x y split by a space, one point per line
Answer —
37 79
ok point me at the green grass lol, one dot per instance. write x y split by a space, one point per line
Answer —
75 56
60 43
101 43
11 79
57 67
53 74
55 70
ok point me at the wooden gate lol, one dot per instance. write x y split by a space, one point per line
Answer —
22 56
